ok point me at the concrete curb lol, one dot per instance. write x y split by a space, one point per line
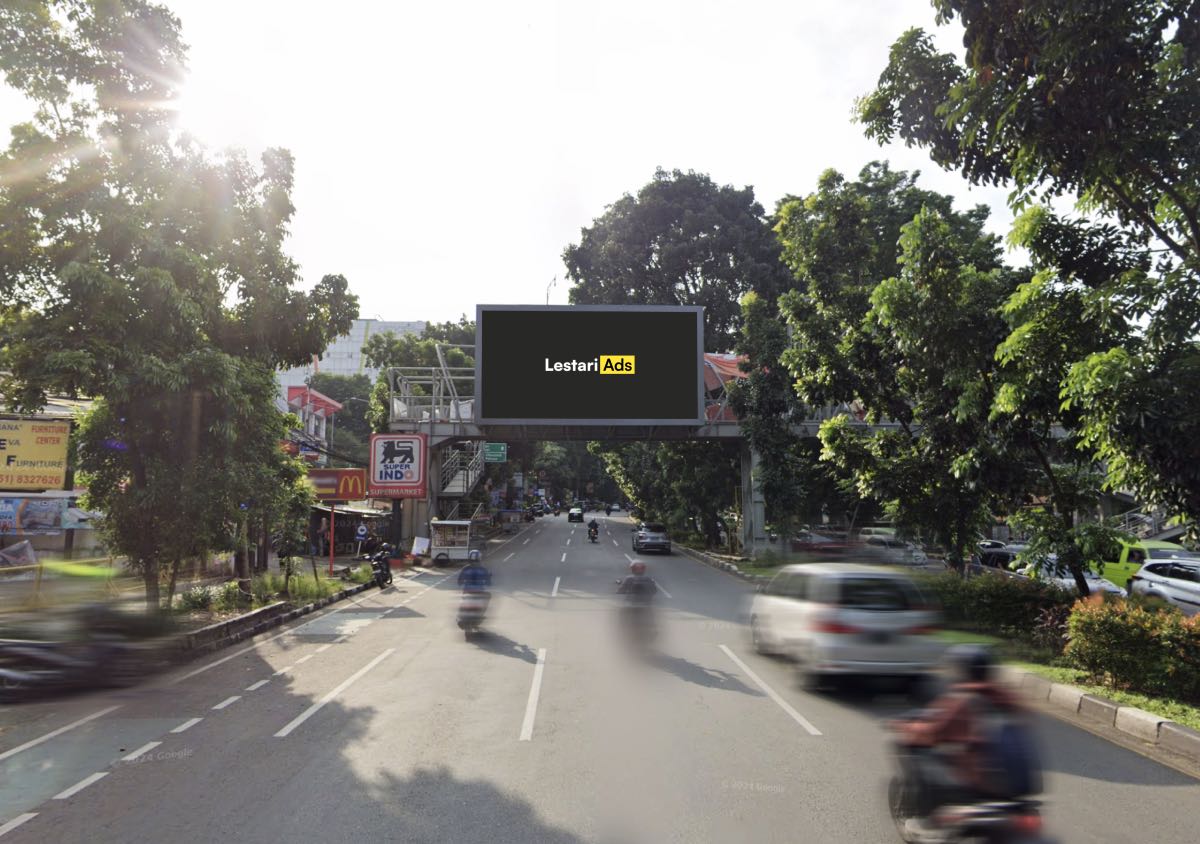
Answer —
722 565
1154 733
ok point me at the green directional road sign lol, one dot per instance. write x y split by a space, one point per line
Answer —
495 452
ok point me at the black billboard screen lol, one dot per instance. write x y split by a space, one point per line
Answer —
610 365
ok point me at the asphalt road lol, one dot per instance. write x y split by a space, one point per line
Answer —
376 721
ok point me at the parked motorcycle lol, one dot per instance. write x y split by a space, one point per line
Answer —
381 567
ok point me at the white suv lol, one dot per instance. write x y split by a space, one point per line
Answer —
846 619
1175 581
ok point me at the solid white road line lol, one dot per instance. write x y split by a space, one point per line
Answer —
17 821
141 751
81 785
54 733
534 691
554 591
229 701
187 725
772 694
509 557
256 686
341 687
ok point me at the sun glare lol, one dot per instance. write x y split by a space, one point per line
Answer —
210 113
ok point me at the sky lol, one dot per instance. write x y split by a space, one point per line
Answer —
447 153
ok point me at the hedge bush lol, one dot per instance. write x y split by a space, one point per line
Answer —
1003 606
1132 647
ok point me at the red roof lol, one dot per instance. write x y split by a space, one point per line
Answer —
306 396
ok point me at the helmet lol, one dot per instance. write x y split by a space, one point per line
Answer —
473 556
971 663
637 567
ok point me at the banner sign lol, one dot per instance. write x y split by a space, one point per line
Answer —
339 484
604 365
398 464
41 516
33 454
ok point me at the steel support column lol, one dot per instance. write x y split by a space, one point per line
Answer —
754 508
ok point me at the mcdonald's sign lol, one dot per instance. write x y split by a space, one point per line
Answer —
339 484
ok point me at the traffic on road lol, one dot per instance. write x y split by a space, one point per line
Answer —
377 720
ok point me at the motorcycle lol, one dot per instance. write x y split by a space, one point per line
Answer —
593 533
381 568
472 607
999 821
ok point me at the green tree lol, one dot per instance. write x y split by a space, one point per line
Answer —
141 271
1103 103
683 240
461 332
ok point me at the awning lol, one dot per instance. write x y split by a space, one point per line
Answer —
355 511
720 369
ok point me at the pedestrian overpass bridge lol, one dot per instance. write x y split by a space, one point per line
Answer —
439 401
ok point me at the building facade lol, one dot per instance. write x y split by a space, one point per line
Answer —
344 355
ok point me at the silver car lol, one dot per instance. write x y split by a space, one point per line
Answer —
651 537
1175 581
846 619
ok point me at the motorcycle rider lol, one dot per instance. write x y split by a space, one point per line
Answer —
952 761
474 577
593 528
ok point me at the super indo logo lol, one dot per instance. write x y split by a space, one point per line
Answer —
602 365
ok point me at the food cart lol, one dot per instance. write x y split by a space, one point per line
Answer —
449 540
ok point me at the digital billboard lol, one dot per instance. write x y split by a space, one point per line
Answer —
589 364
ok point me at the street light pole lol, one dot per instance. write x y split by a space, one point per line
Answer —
553 282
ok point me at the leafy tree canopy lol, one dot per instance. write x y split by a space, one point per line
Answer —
682 240
1103 103
140 270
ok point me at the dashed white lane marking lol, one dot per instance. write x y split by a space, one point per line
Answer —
187 725
282 671
666 594
141 751
229 701
509 557
568 540
772 694
629 558
564 557
554 591
256 686
615 542
81 785
534 692
304 659
526 542
16 822
328 645
55 733
341 687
